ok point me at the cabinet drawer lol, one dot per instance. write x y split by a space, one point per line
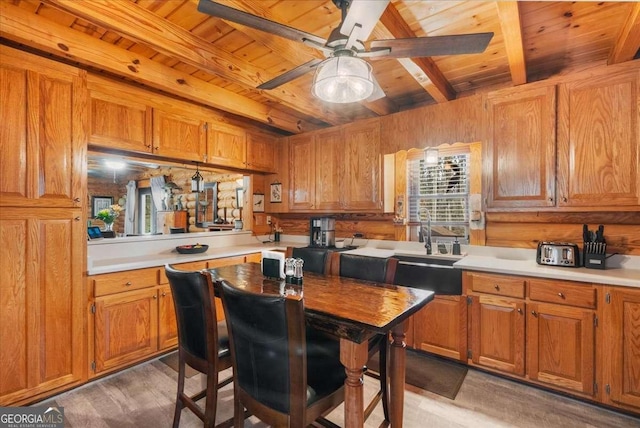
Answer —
189 266
566 293
118 282
498 284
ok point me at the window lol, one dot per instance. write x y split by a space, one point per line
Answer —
443 192
146 212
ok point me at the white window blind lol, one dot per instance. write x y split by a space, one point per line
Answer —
443 190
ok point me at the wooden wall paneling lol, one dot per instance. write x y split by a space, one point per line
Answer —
525 230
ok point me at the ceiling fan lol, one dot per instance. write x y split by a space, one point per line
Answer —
344 76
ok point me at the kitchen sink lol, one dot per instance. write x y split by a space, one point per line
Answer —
436 274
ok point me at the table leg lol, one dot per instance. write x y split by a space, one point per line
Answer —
397 367
353 357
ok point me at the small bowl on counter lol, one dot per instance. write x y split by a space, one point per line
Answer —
192 249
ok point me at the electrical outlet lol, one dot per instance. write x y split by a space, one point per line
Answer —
268 219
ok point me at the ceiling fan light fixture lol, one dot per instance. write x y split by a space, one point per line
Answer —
343 79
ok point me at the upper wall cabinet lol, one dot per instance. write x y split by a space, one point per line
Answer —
329 161
362 181
261 150
43 137
302 172
226 145
521 148
178 134
120 122
599 141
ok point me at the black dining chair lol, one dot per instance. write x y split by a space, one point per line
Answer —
203 342
316 260
286 373
375 269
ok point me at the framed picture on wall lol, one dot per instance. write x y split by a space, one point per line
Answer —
258 203
100 203
276 192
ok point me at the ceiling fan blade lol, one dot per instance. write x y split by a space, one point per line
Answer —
262 24
377 91
434 46
290 75
366 13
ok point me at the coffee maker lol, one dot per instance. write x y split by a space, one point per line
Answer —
322 232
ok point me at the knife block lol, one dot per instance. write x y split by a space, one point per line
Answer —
595 260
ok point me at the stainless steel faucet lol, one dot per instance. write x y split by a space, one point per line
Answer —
425 237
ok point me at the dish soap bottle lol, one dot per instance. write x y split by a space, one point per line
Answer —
456 247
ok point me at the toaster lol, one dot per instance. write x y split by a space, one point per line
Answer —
558 254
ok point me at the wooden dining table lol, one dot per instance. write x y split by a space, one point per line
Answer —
353 310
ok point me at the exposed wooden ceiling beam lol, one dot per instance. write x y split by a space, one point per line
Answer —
512 35
145 27
297 53
423 70
628 41
24 27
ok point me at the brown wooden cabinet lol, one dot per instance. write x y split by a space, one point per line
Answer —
302 172
167 324
42 234
179 135
226 145
599 141
261 152
362 167
120 122
337 169
441 327
621 347
43 139
42 320
520 149
167 220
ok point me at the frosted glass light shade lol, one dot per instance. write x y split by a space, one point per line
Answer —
343 79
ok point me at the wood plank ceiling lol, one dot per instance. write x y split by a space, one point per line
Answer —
170 46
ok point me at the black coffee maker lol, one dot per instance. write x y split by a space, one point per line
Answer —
322 232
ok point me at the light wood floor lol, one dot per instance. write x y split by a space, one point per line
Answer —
143 396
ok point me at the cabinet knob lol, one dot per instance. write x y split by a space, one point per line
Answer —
550 199
76 199
128 283
156 148
564 199
561 295
155 296
164 294
534 313
148 146
519 310
497 287
76 218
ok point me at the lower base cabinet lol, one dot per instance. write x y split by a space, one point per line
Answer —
134 315
441 327
620 359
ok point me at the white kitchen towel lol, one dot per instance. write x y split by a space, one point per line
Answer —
157 191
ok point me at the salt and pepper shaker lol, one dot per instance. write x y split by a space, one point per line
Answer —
297 274
289 269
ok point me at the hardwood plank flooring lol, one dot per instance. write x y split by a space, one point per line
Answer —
144 395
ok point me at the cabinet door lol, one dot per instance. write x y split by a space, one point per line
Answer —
177 135
329 155
261 152
599 141
226 145
361 184
41 295
621 333
43 136
302 173
441 327
119 123
497 333
521 148
126 328
167 324
560 346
